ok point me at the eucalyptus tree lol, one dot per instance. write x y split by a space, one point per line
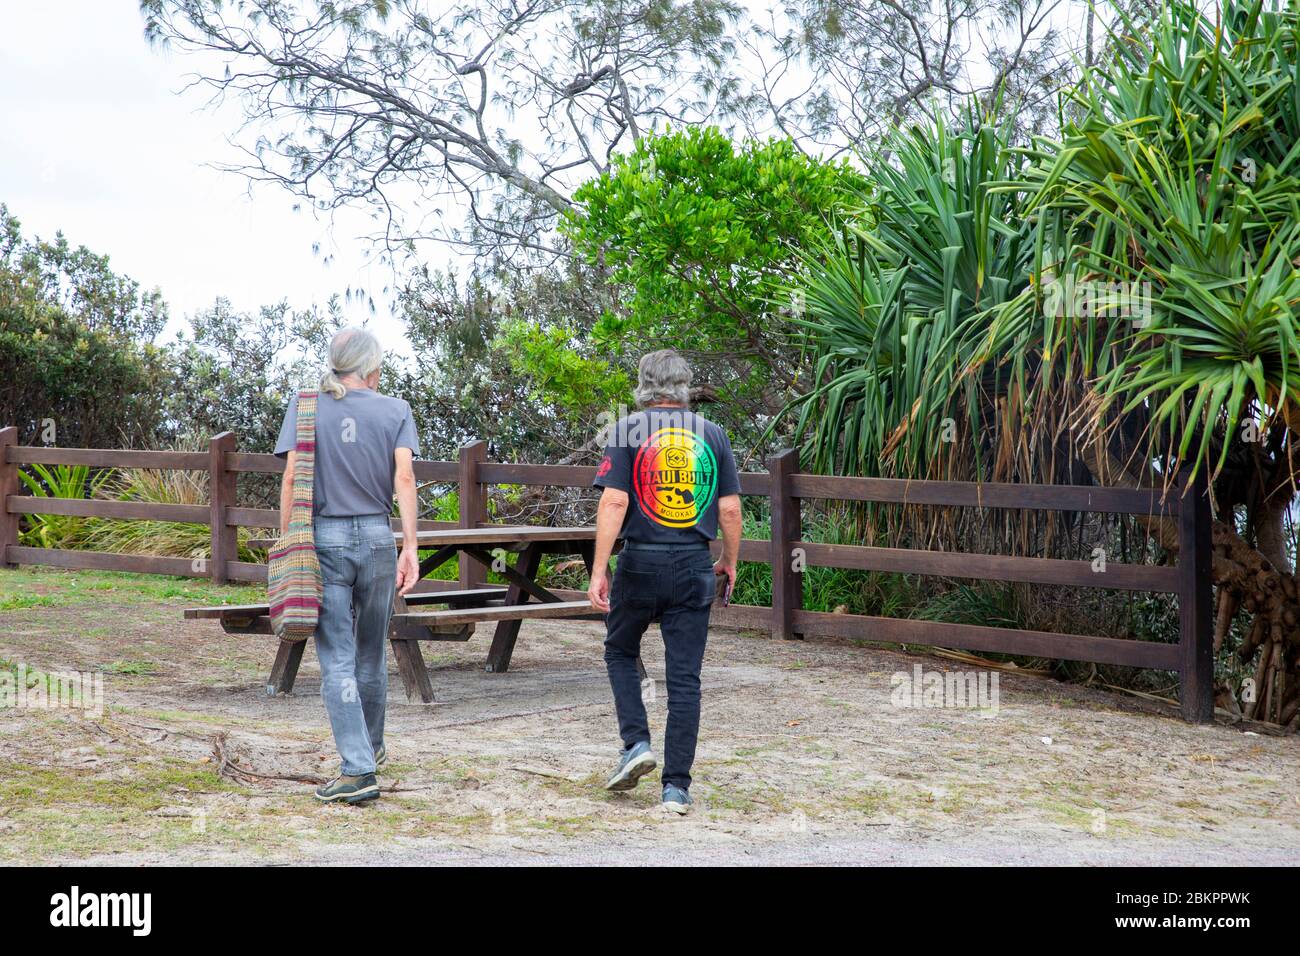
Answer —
418 110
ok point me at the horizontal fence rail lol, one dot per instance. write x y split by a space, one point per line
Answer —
785 550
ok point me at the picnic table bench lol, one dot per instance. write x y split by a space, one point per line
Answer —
414 620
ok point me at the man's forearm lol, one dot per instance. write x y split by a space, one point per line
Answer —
286 494
609 522
731 541
408 510
731 533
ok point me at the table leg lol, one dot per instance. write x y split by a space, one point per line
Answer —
410 662
516 577
507 632
285 668
412 669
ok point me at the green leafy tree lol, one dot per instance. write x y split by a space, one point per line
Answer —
75 346
236 371
507 359
699 236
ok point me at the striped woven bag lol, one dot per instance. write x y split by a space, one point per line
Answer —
293 584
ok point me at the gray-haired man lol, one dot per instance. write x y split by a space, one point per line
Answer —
365 443
679 469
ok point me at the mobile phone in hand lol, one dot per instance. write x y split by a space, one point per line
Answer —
723 583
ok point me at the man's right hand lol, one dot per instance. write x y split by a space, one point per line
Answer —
408 570
598 591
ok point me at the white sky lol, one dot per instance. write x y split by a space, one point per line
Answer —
95 141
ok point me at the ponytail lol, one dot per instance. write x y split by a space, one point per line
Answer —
352 352
332 385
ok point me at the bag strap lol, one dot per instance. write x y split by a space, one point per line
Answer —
304 472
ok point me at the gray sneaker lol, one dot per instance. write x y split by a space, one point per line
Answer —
347 789
635 763
677 800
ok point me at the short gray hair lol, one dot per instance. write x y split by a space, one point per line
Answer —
352 352
663 377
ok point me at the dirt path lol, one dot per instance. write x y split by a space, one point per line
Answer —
804 758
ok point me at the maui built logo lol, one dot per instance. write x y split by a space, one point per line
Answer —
75 909
675 477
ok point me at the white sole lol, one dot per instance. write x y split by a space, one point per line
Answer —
365 793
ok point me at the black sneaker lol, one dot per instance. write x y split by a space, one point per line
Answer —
347 789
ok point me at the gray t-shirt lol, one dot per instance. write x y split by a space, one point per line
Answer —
355 439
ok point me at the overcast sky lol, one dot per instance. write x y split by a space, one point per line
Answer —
95 141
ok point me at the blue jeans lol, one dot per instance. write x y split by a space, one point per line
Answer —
358 565
675 588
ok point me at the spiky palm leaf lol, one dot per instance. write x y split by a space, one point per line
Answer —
1179 182
886 303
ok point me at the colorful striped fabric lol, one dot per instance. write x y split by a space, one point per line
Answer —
293 584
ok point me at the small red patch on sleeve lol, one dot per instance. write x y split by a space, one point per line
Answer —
605 466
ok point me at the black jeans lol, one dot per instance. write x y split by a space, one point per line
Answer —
675 588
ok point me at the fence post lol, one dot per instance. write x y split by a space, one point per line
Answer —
787 528
221 490
8 486
1195 635
473 508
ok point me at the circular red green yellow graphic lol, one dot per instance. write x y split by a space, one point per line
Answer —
675 477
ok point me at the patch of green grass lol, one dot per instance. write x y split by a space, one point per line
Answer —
184 716
1071 813
732 798
868 801
131 668
591 787
22 588
148 786
567 826
14 602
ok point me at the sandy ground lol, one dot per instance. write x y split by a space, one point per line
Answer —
804 758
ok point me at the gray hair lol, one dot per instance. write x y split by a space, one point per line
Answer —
352 352
663 377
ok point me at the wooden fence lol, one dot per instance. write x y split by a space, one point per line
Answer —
785 550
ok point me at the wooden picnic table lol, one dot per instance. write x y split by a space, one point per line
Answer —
488 546
507 607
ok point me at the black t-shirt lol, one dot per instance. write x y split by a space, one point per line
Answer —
674 465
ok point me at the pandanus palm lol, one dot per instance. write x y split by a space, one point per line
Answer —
886 303
1134 309
1182 180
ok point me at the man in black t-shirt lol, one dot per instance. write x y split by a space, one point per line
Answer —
670 480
